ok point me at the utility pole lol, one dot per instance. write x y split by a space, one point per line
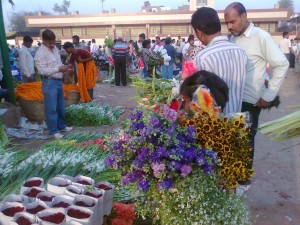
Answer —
102 4
7 77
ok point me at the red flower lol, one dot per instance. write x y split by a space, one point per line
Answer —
33 183
93 195
23 221
81 203
98 141
78 214
124 211
35 210
175 104
33 193
56 218
84 182
61 205
12 211
104 187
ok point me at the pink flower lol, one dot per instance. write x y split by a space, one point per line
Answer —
188 69
158 168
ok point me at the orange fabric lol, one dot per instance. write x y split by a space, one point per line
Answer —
33 91
82 83
91 74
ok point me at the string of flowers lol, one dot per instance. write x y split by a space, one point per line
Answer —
82 83
32 91
91 74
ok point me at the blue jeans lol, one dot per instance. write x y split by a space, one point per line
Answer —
167 71
54 102
145 71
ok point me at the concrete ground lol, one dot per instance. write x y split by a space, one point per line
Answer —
274 197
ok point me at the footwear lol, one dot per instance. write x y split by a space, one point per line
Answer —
67 129
58 136
242 189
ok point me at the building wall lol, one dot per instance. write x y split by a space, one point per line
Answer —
196 4
129 26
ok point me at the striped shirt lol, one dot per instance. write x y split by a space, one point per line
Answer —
120 49
229 62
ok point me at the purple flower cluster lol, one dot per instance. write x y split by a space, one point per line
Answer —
155 150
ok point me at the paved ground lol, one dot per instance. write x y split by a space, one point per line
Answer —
274 198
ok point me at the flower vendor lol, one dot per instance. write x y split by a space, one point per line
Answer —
86 70
214 91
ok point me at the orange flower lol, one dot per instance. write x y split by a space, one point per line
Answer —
86 79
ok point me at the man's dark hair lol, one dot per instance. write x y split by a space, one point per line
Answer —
142 35
93 40
76 37
191 37
68 45
48 35
206 20
157 37
145 43
168 40
239 7
218 88
27 39
285 33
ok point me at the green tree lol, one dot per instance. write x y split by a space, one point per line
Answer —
63 8
286 4
17 20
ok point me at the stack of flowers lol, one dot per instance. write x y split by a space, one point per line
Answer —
228 138
123 214
33 91
173 172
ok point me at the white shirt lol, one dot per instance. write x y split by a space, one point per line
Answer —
285 45
261 49
296 49
229 62
48 61
26 62
94 48
185 48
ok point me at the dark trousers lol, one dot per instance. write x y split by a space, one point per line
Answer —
254 112
120 70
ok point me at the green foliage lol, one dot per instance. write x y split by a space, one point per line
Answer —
194 200
17 20
91 114
63 8
3 137
286 4
109 42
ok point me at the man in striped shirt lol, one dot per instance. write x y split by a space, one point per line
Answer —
120 53
221 57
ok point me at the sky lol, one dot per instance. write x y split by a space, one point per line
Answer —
123 6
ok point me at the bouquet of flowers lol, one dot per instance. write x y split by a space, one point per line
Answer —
109 42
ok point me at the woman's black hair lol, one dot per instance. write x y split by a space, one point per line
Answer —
218 88
145 43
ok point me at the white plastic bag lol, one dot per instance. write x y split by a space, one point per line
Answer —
31 218
59 200
8 211
72 215
35 207
53 213
31 182
108 195
58 185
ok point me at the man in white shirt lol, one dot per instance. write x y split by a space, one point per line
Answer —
94 47
187 45
26 61
296 49
49 65
225 59
261 49
285 45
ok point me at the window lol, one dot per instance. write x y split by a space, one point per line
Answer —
200 3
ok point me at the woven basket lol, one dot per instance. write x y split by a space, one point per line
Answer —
33 110
73 98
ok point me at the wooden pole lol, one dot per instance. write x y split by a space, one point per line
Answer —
7 77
